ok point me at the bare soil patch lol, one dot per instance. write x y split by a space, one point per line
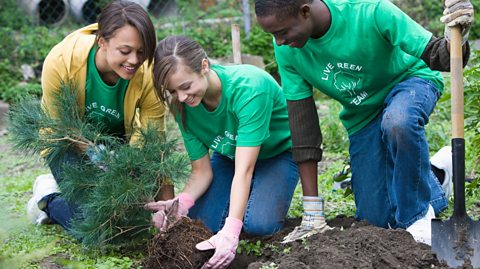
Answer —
176 247
351 244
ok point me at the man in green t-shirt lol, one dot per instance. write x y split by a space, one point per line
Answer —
377 62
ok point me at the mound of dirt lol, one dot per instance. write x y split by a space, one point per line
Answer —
176 247
351 244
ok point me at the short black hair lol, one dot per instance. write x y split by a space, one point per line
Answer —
278 8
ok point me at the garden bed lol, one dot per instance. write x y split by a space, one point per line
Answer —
351 244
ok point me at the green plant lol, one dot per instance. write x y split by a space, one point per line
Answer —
34 43
12 16
305 244
472 123
193 10
260 43
21 91
8 42
110 191
8 76
215 39
250 248
335 137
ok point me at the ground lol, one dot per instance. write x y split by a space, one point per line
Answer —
350 244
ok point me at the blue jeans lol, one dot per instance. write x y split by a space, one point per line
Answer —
391 176
273 184
58 209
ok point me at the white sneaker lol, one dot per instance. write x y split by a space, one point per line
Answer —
35 215
421 230
43 186
443 160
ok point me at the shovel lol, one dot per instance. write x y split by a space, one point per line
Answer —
457 240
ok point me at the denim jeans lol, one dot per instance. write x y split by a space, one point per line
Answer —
58 209
273 184
391 176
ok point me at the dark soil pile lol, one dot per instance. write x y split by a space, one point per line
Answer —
350 245
176 247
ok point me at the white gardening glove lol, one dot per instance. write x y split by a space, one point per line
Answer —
457 13
313 220
225 243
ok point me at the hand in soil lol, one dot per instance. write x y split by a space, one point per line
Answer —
167 213
225 246
225 243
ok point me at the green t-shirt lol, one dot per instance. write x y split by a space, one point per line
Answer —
104 103
370 47
252 112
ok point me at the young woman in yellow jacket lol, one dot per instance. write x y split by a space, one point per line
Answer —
110 65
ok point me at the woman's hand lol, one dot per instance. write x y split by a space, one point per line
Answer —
169 212
225 243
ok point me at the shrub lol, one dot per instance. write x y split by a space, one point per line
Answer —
35 43
9 76
21 91
11 16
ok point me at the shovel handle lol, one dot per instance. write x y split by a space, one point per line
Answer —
458 142
456 75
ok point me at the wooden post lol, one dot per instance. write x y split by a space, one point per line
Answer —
237 55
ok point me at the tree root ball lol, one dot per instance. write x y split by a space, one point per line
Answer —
175 248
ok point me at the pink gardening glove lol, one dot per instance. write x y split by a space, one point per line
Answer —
170 211
225 243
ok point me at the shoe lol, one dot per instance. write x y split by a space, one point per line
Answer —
35 215
443 160
43 186
421 230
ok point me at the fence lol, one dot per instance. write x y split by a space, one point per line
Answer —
55 12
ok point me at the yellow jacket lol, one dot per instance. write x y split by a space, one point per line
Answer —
67 62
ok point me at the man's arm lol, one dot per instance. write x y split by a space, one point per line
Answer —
437 54
306 140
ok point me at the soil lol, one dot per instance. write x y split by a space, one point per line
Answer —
176 247
351 244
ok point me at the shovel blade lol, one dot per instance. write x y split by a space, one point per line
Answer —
457 241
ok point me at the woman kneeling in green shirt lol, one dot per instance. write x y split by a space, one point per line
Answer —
240 114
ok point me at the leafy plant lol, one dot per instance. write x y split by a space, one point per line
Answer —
194 10
250 248
8 76
11 16
20 92
335 138
34 43
8 42
472 117
260 43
